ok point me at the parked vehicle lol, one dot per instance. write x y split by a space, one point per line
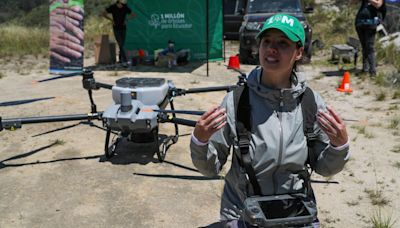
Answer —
257 11
233 18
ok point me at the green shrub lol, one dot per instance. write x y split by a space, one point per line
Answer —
333 27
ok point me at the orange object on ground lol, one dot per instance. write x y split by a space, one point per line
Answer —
141 53
234 62
345 86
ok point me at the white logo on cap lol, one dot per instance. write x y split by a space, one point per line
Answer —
281 19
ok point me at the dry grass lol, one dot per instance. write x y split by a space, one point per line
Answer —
58 142
381 96
394 123
353 203
389 55
396 94
362 130
379 220
396 149
376 197
19 41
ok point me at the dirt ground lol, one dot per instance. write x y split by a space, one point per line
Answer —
71 184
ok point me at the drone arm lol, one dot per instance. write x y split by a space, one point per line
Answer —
103 85
164 118
92 104
178 92
211 89
190 123
12 124
89 83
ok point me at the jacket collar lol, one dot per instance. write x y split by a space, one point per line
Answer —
273 95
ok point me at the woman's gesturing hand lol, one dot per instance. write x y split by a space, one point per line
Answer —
209 123
333 126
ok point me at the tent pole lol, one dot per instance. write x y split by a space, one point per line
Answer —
207 36
223 27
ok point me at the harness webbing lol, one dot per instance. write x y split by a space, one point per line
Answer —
243 129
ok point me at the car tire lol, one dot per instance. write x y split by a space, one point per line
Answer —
307 55
244 56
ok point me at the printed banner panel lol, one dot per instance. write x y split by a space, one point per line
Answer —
183 21
66 36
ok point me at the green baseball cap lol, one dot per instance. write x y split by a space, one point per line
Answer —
289 25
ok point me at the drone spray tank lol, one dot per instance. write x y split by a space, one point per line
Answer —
132 98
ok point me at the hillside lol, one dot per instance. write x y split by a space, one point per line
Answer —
35 12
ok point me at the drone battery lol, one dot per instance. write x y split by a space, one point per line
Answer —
149 91
132 120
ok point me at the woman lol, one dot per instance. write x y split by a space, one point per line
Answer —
369 15
278 146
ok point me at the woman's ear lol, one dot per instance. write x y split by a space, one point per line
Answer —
299 53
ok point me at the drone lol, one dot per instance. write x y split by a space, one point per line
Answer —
138 109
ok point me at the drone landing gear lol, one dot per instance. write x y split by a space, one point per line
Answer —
161 148
161 144
109 150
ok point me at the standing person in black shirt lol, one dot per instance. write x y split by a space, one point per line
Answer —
119 11
369 15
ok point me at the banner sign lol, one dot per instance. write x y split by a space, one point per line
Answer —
182 21
66 36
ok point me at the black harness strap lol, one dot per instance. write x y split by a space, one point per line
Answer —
309 110
243 130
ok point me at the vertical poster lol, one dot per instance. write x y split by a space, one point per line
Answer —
66 36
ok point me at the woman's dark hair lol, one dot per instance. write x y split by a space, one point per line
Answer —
298 45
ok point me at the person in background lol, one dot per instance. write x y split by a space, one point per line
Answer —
277 147
168 55
119 11
368 17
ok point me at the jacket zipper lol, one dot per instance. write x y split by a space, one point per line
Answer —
280 143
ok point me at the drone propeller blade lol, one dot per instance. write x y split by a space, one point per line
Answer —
234 69
61 76
58 129
19 102
187 112
89 123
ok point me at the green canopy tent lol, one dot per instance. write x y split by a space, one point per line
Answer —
192 24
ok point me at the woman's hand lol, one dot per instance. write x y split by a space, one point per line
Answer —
376 3
333 126
209 123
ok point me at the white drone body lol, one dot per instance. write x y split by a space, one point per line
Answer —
135 98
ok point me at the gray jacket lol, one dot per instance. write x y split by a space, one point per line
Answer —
278 147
